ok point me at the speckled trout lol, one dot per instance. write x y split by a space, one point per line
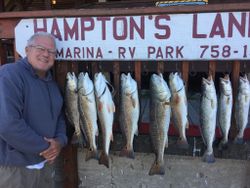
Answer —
242 108
160 112
71 105
88 113
105 111
225 109
208 117
179 108
129 113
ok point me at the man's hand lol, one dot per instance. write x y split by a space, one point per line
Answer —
53 151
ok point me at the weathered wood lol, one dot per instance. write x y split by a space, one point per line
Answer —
160 67
3 57
116 71
7 27
212 68
235 82
185 73
138 74
2 9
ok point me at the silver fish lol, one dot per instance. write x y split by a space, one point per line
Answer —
71 105
129 113
225 109
208 117
242 102
160 112
88 113
179 107
105 111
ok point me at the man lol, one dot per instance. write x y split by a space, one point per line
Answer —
32 127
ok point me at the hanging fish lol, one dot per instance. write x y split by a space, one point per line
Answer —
129 113
88 113
208 117
179 107
105 111
242 102
71 105
225 109
160 112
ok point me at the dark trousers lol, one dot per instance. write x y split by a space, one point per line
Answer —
21 177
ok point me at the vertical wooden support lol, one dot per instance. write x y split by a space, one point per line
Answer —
138 74
160 67
212 68
235 82
2 7
116 71
16 55
94 68
3 57
69 153
185 71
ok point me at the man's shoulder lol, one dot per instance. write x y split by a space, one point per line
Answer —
11 69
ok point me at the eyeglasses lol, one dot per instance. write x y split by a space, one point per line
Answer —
42 49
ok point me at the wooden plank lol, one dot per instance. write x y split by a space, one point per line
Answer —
116 71
212 68
185 72
7 28
132 11
160 67
3 57
235 82
138 74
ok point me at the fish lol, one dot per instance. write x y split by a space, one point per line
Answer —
71 106
88 113
160 112
225 109
208 117
105 112
242 102
129 113
179 108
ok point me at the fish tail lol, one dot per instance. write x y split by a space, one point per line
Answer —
91 154
208 158
157 168
104 159
182 144
125 152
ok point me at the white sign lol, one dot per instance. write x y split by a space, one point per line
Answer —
169 37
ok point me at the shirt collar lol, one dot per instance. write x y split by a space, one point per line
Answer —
29 67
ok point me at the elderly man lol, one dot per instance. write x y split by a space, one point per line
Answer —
32 126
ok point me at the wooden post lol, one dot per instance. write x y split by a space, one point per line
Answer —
235 82
160 67
116 71
185 71
138 74
3 57
212 68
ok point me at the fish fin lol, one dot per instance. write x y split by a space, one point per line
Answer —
187 125
111 137
133 101
91 154
100 106
125 152
157 168
182 144
104 159
208 158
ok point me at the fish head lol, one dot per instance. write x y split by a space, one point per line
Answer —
128 84
71 81
225 85
99 83
158 85
175 82
208 85
244 85
85 84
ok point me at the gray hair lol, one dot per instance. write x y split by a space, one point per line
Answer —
38 34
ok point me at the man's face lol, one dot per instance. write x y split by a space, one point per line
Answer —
41 54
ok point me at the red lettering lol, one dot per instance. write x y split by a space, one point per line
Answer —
162 27
195 32
44 28
85 28
234 22
77 52
140 30
70 32
217 28
55 29
118 29
103 22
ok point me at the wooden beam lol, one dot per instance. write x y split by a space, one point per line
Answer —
160 67
185 73
138 74
212 68
3 56
235 83
116 71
